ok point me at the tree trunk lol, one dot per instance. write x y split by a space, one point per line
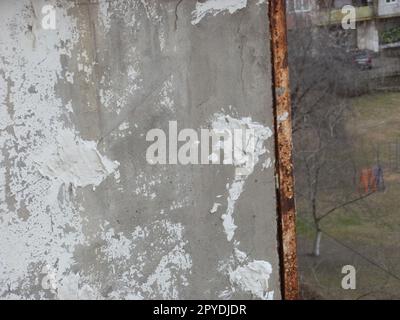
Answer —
318 235
317 243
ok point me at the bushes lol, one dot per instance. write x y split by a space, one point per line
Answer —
391 35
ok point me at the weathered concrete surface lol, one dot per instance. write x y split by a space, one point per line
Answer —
82 213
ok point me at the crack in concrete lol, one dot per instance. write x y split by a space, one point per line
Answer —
176 15
241 55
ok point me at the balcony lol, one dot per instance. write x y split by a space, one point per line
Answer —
335 16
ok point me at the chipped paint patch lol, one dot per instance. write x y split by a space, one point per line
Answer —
115 97
247 276
166 100
253 277
123 126
118 246
74 161
268 163
235 190
39 223
153 258
146 185
178 204
215 7
248 159
215 207
104 8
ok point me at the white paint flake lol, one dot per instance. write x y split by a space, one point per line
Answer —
40 224
123 126
239 255
5 119
104 15
247 276
146 185
153 260
268 163
165 98
114 97
33 221
244 165
74 161
118 246
215 7
215 207
73 287
253 278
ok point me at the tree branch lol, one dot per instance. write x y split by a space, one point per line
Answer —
343 205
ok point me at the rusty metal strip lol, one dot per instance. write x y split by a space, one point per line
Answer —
283 141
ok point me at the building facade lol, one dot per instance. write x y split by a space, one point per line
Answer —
377 21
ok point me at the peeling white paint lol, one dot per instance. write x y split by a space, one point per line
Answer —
74 287
45 232
5 119
215 207
239 255
243 167
161 244
39 224
178 204
118 246
115 98
164 277
253 278
104 8
166 100
215 7
146 185
123 126
151 10
152 13
248 276
249 151
268 163
74 161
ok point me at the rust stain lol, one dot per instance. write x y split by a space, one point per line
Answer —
283 140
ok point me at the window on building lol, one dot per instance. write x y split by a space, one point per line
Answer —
299 5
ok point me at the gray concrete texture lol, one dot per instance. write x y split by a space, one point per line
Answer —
83 214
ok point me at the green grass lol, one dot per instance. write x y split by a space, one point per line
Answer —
304 228
373 122
374 119
372 225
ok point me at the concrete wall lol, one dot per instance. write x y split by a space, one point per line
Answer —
388 9
368 36
83 214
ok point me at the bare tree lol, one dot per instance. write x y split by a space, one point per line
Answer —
321 76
